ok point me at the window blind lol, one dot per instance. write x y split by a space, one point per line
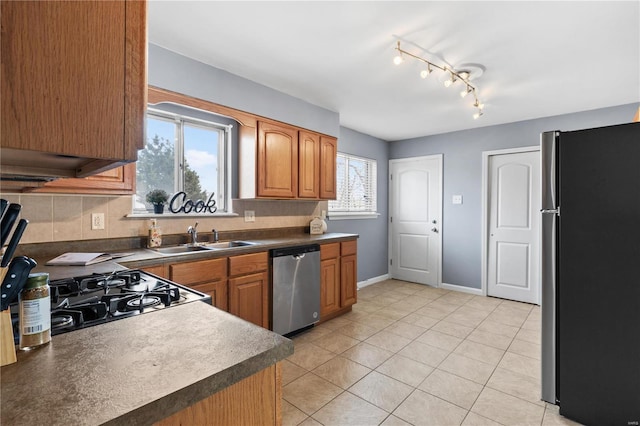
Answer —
356 185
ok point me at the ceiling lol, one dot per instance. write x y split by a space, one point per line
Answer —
528 59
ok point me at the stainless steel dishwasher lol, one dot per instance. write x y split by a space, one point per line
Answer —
296 288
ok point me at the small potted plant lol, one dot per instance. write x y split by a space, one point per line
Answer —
158 197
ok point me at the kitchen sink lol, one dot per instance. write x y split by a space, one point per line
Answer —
228 244
180 249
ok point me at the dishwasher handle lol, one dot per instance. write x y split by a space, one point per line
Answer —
294 251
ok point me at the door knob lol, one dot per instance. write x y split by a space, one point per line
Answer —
434 229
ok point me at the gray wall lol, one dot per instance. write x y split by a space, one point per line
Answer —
180 74
462 151
462 174
372 244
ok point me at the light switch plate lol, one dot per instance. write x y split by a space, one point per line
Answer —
456 199
249 216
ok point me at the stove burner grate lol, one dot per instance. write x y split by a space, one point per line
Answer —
145 301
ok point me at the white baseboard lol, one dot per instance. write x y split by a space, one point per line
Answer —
373 280
462 289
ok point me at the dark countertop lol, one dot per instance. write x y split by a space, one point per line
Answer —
143 257
144 368
136 370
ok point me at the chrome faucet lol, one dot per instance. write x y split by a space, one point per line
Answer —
215 235
191 230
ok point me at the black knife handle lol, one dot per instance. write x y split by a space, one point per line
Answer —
8 220
13 244
3 207
15 280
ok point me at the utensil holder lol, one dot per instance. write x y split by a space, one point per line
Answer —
7 345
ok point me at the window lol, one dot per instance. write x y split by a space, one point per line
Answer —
356 187
183 154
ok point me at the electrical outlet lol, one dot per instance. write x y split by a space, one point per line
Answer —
97 221
249 216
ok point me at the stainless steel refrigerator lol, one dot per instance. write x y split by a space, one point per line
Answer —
591 273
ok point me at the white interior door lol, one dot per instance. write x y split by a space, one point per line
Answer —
415 210
513 230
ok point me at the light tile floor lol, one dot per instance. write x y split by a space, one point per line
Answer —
410 354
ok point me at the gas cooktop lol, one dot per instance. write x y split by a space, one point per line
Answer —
89 300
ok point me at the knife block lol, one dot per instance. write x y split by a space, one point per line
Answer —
7 347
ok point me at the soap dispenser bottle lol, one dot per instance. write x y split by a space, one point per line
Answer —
155 234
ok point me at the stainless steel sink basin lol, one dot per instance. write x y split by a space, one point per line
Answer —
180 249
228 244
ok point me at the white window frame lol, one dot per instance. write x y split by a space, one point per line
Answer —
339 210
224 172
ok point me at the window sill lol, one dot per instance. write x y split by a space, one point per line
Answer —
178 215
346 216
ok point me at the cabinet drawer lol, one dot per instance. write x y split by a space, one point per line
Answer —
349 247
329 251
194 272
248 263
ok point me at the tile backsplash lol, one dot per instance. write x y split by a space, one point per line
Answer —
54 217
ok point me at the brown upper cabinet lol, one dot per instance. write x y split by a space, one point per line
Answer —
309 165
328 157
294 163
317 166
73 86
277 161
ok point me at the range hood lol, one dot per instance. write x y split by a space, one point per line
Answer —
27 169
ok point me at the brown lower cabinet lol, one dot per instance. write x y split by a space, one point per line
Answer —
339 278
249 287
237 284
208 276
240 284
256 400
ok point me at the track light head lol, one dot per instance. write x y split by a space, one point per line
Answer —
425 72
450 81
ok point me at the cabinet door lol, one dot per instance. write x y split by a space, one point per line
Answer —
348 280
329 286
328 156
249 298
218 292
70 71
277 161
309 165
159 270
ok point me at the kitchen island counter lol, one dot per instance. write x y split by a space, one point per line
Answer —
137 370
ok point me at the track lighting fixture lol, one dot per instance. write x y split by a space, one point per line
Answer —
454 76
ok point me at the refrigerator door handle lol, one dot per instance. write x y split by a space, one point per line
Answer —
548 144
551 211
